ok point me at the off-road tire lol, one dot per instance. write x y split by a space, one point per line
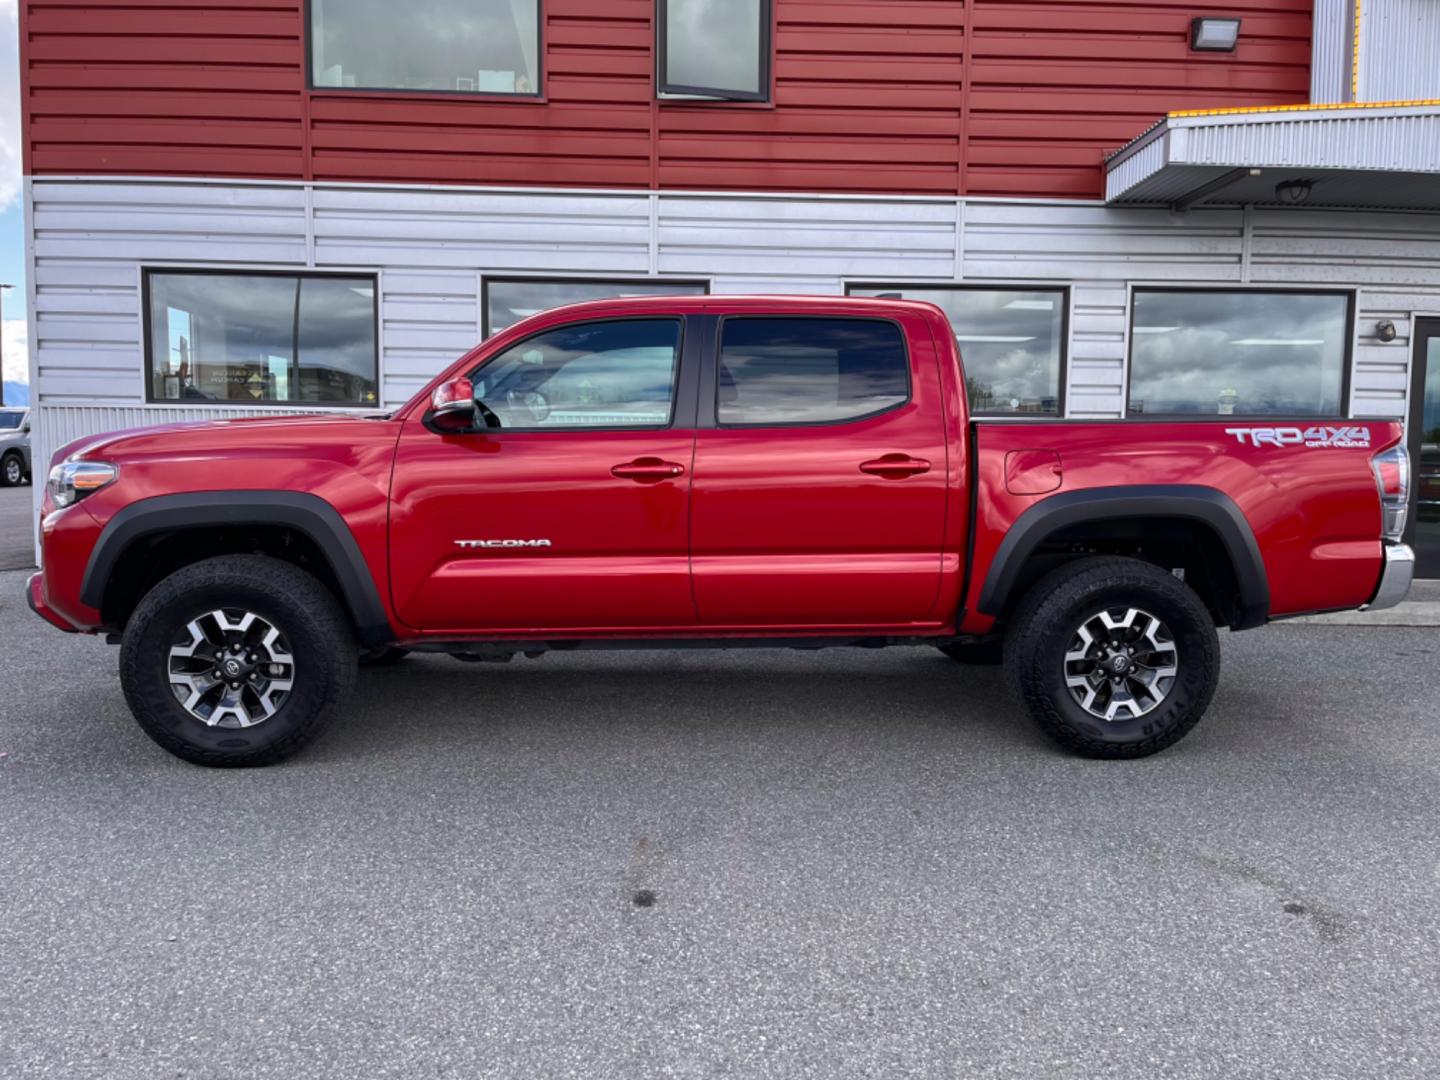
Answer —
12 470
1045 623
317 628
975 653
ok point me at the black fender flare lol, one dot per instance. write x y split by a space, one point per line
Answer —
1192 502
305 513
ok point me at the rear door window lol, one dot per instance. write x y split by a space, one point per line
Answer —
794 371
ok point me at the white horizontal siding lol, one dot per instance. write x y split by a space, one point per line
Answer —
805 239
493 231
430 248
1097 351
427 319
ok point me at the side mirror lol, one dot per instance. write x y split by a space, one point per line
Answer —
452 408
25 429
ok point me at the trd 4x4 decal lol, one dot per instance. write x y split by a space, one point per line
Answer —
1312 437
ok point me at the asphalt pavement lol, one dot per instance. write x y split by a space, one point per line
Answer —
747 863
17 532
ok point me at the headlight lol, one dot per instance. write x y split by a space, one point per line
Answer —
71 481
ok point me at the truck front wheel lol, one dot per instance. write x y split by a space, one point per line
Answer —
1113 657
237 660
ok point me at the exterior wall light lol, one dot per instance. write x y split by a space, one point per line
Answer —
1385 330
1214 35
1293 192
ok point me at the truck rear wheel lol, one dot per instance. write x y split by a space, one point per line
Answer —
1113 657
238 660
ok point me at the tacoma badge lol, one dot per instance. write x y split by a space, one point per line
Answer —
502 543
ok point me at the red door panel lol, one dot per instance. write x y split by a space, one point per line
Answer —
566 504
617 546
825 525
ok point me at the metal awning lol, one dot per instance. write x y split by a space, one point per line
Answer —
1353 155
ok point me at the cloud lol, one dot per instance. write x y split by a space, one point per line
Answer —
9 103
16 351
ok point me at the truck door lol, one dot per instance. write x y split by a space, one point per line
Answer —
569 508
819 493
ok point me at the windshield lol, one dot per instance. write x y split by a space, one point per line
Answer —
10 420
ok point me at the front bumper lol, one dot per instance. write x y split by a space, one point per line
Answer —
1395 578
35 596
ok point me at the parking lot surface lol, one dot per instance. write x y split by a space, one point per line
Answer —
750 863
17 533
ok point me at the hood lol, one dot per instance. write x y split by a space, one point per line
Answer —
195 434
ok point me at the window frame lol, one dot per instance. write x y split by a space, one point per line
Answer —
1066 291
535 96
712 373
147 330
486 280
1347 359
701 95
677 381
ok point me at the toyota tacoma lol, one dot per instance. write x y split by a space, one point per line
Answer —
708 471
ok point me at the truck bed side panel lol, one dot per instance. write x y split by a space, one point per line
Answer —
1313 509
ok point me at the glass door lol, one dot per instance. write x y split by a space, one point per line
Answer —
1424 435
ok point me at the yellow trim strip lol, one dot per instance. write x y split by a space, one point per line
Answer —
1420 103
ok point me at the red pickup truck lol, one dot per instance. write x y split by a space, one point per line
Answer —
707 471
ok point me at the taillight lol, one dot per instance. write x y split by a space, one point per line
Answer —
1392 477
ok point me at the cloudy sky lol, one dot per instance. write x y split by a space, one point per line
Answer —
12 243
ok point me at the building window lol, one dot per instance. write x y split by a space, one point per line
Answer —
459 46
715 48
610 374
786 371
1012 343
1238 352
256 338
508 300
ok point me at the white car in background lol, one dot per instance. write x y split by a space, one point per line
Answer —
14 446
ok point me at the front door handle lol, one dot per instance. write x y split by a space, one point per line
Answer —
895 466
648 470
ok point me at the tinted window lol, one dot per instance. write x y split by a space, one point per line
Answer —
262 337
507 301
1237 353
1012 343
603 374
809 371
9 420
715 48
470 46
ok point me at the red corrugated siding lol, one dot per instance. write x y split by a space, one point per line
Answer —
993 97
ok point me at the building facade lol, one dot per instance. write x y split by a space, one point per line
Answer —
1128 208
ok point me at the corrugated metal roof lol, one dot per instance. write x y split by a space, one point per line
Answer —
1381 156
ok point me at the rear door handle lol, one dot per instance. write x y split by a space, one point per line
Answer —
895 466
648 470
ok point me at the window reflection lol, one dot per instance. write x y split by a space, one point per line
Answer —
714 46
262 338
510 300
1237 353
808 371
1011 343
608 374
471 46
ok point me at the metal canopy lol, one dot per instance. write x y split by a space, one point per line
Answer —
1373 156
